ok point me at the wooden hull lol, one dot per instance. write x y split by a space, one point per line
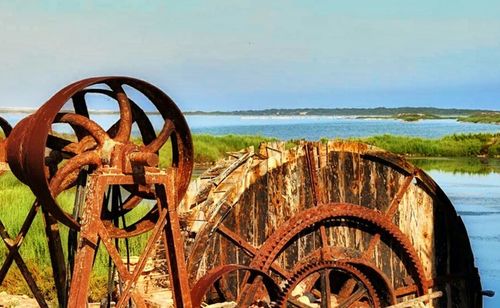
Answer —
345 208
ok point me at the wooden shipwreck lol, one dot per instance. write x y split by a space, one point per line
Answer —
337 224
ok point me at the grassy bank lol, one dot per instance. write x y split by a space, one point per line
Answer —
209 148
413 117
482 117
16 198
464 145
407 117
461 165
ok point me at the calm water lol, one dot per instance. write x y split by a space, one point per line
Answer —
311 128
476 197
315 128
477 200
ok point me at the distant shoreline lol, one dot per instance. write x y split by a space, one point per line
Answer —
376 111
409 114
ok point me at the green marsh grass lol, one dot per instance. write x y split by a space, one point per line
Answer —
209 149
482 117
459 145
462 165
17 200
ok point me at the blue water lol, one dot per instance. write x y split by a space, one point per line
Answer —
477 200
476 197
308 127
315 128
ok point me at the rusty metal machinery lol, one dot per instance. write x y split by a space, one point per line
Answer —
95 147
337 224
341 224
102 164
319 275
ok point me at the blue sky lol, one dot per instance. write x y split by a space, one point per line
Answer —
229 55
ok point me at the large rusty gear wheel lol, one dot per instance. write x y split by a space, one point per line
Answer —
95 146
312 220
317 216
329 277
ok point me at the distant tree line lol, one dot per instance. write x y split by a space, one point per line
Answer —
379 111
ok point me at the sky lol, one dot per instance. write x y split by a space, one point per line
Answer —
234 55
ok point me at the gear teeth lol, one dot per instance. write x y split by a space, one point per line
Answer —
310 268
274 244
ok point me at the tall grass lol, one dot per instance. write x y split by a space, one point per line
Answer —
16 201
482 117
208 148
467 165
459 145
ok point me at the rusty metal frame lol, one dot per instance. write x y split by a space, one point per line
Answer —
93 231
13 245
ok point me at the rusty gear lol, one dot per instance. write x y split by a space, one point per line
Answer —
365 289
323 213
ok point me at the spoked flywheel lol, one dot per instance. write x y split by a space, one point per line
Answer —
120 184
51 163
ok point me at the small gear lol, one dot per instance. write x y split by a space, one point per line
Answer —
365 293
